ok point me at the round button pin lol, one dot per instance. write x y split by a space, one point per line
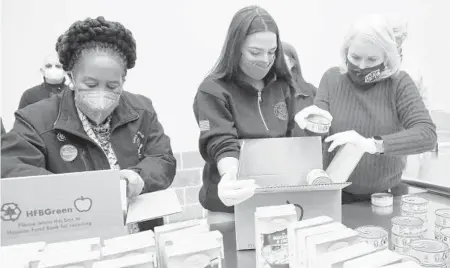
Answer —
68 152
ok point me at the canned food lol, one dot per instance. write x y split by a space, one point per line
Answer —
400 250
443 235
373 235
404 241
438 228
403 225
318 176
318 124
422 216
382 199
413 203
383 210
443 217
429 251
409 258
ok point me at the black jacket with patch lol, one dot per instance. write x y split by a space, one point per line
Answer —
228 112
35 145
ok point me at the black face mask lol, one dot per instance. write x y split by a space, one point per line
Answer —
366 76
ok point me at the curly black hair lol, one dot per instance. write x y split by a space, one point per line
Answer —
96 34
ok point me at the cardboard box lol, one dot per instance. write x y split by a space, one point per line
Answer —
65 258
137 260
207 255
337 258
292 235
303 235
318 245
159 230
143 242
82 245
408 264
186 238
167 239
21 255
280 167
271 224
376 259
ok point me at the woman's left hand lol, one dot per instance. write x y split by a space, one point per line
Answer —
353 137
135 183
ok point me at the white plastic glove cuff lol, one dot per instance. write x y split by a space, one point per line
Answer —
228 165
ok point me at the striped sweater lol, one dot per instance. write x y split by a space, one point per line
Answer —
392 109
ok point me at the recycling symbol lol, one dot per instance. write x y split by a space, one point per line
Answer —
10 212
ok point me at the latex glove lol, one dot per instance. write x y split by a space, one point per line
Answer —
300 117
338 139
135 184
232 191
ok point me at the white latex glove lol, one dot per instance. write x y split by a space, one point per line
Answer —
300 117
365 144
135 184
232 191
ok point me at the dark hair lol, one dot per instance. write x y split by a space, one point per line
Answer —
296 71
247 21
96 34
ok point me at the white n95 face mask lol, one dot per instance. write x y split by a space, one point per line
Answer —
97 105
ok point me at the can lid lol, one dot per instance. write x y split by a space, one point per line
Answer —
443 212
428 245
317 119
371 231
407 221
445 232
415 200
382 195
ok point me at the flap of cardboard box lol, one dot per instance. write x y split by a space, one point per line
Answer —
286 160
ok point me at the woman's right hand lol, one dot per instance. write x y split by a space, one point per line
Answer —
300 117
232 191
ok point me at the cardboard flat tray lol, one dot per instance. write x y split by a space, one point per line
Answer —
300 188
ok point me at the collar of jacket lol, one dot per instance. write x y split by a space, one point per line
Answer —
69 121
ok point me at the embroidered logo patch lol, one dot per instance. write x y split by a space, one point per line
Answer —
204 125
280 111
61 137
372 76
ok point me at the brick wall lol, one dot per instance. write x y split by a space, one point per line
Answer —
187 184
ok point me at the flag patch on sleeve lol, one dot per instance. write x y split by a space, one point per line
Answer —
204 125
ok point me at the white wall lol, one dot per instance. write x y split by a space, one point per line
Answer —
179 41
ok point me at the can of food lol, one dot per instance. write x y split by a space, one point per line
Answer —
400 250
443 217
443 235
438 228
318 176
429 251
373 235
382 199
318 124
404 241
422 216
412 203
383 210
409 258
402 225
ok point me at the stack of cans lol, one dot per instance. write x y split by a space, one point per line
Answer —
415 206
429 252
442 222
404 231
373 235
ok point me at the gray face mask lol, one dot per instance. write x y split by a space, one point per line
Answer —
255 69
97 105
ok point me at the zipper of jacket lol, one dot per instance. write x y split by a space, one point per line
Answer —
260 111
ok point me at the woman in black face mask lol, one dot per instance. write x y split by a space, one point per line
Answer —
249 94
96 125
376 107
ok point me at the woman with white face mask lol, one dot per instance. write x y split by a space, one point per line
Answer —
54 82
96 125
249 94
376 107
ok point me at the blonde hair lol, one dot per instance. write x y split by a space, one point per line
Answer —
376 29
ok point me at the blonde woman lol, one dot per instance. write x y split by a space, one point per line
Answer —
376 107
